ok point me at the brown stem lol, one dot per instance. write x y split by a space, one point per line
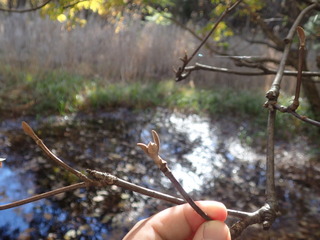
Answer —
180 73
274 91
229 9
167 172
152 150
270 185
44 195
302 39
265 71
28 130
295 114
109 179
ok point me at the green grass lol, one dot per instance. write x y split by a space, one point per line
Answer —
61 93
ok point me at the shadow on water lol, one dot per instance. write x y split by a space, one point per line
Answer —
205 155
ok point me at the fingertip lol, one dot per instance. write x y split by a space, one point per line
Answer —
213 230
215 210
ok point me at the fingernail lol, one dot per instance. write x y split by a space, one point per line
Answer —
215 230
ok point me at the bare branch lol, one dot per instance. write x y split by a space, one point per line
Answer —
284 109
264 43
257 18
28 130
273 93
302 38
193 33
180 75
44 195
265 71
105 179
270 185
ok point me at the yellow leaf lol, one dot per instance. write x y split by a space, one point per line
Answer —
61 18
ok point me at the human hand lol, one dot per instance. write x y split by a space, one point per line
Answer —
183 223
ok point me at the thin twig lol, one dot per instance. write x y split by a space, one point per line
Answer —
265 71
284 109
101 179
228 9
265 28
274 91
272 96
254 218
44 195
152 150
302 39
109 179
28 130
180 72
193 33
270 184
25 10
304 118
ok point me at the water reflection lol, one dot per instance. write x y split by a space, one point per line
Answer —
209 163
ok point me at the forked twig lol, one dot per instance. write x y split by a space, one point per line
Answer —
272 96
152 150
181 72
274 91
100 179
295 104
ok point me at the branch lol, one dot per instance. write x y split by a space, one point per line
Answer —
107 179
265 28
295 104
180 72
25 10
28 130
193 33
274 91
256 217
101 179
302 38
44 195
264 43
265 71
284 109
272 96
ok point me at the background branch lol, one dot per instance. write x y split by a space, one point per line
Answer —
273 93
180 75
25 10
264 71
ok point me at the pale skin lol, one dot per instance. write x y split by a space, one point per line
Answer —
183 223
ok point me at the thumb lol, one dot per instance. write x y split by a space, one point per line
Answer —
212 230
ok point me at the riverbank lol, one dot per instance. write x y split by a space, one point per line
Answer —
43 94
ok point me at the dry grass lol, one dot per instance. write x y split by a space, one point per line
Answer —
130 50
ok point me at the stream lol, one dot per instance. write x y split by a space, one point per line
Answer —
207 156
